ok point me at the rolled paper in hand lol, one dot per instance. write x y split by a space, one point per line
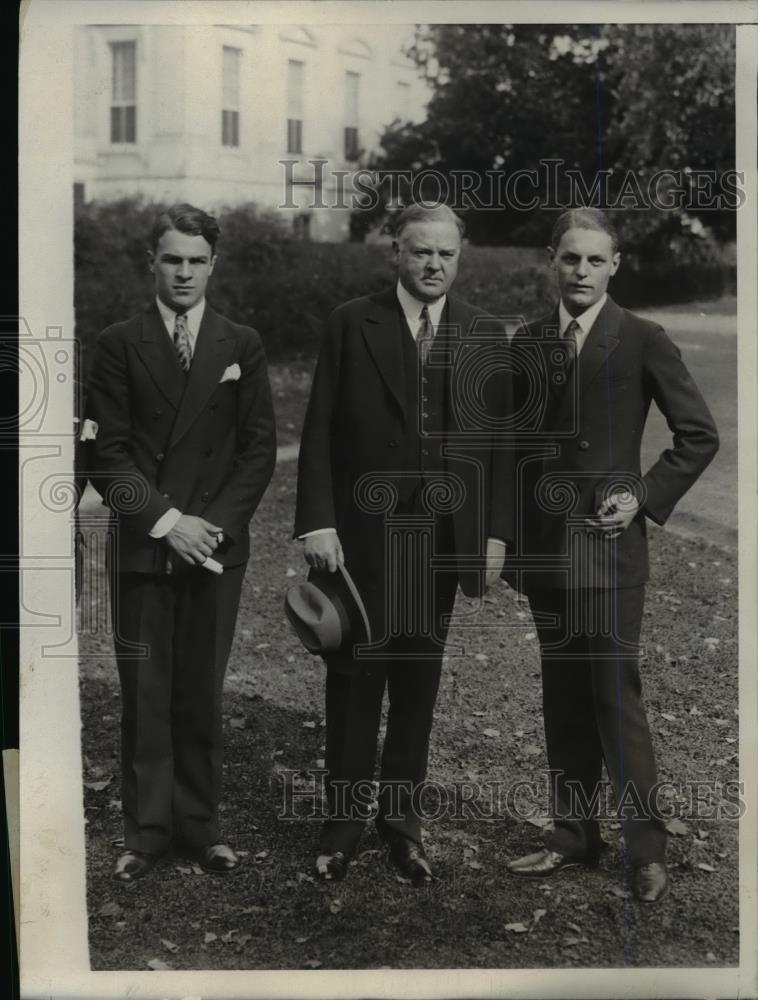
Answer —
213 565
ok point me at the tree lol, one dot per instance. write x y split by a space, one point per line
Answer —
512 98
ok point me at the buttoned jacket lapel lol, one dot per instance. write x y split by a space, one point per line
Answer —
213 350
382 331
159 357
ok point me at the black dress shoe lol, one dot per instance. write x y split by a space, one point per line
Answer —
331 867
133 865
650 882
546 862
410 860
217 859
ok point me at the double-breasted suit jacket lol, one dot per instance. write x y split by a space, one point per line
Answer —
204 444
581 436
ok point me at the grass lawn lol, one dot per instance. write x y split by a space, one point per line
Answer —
271 915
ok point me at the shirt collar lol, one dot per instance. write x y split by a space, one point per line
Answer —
585 319
194 317
412 308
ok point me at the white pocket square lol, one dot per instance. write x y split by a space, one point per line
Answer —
231 374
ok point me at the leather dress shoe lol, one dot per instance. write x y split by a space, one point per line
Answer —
650 882
331 867
217 859
133 865
546 862
410 860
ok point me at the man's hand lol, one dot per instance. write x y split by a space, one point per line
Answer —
323 551
495 561
615 514
194 538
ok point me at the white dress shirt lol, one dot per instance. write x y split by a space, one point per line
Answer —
166 522
585 321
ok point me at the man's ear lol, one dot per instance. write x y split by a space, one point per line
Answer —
551 255
214 258
615 262
151 261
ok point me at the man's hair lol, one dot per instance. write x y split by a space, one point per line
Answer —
584 218
186 219
425 211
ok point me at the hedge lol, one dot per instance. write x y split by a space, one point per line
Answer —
286 288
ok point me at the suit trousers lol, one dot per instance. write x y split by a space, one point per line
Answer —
409 668
593 711
171 689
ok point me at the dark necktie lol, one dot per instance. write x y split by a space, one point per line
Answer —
182 341
425 335
569 339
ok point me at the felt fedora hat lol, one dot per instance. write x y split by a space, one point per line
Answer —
327 612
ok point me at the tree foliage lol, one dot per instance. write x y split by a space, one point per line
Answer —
641 98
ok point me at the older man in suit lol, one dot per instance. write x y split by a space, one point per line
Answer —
589 373
400 478
185 449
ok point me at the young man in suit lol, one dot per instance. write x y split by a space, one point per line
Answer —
594 368
185 450
395 474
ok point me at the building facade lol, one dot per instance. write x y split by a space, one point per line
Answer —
225 114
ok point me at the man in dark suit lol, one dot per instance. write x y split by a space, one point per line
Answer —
400 479
185 450
589 373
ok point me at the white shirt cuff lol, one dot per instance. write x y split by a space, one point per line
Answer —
318 531
497 541
165 523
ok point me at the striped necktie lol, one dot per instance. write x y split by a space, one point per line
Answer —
425 335
182 341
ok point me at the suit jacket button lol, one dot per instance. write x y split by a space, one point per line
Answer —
204 496
584 445
156 414
159 457
393 444
165 495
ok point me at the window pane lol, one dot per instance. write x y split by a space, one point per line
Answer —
130 129
352 81
230 78
230 128
294 89
351 143
124 71
294 135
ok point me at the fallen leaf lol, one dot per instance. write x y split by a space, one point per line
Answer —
290 572
184 869
227 938
491 733
479 715
209 937
309 725
313 963
517 928
170 946
575 928
569 941
537 916
476 865
677 828
158 965
668 716
110 910
695 710
302 940
335 906
98 786
261 855
530 635
481 657
238 723
618 892
705 867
